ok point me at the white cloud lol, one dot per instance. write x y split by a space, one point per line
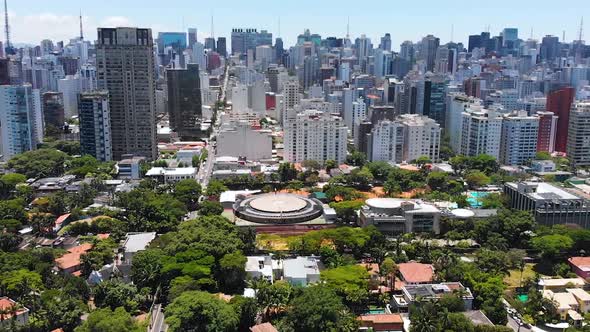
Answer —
116 21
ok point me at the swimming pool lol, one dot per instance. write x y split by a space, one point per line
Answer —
376 311
474 198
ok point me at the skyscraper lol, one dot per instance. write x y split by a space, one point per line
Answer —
559 102
578 142
519 138
243 40
549 48
21 123
95 125
53 109
385 42
184 101
428 51
192 37
221 46
547 131
210 43
125 67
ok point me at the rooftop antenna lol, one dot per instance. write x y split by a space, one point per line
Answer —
182 23
531 32
279 27
212 27
6 26
81 30
348 27
452 31
581 33
563 36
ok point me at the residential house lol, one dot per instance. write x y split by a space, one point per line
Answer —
12 311
413 273
70 262
410 293
135 242
381 322
580 266
302 271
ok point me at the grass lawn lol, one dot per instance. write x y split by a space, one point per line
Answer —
513 280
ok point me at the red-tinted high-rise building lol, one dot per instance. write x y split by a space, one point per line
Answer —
547 130
559 103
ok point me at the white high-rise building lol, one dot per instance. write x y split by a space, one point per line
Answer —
313 135
264 56
240 140
519 138
344 72
359 113
347 100
257 97
421 137
507 98
239 99
70 87
21 124
578 138
199 56
291 97
457 103
481 132
386 142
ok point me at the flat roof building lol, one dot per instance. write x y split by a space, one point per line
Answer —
549 204
395 216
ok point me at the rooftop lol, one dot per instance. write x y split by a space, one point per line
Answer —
382 318
542 190
300 267
413 272
155 171
264 327
138 241
72 257
582 263
6 304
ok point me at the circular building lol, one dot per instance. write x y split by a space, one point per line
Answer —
277 208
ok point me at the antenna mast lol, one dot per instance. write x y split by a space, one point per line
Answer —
7 28
348 27
212 28
81 30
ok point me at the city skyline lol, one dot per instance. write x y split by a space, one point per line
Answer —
60 21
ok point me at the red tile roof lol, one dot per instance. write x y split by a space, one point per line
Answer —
62 218
72 258
582 263
6 304
382 318
413 272
264 327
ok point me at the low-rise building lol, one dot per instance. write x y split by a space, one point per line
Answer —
302 271
136 242
168 174
12 312
580 266
130 168
260 267
560 284
395 216
543 166
549 204
410 294
381 322
413 273
570 304
70 262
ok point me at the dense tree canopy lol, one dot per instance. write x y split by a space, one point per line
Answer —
201 312
39 163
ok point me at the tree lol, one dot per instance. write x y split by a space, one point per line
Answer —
346 211
231 272
437 180
8 183
311 164
388 269
114 294
188 191
459 164
107 320
9 241
146 270
201 312
476 179
356 158
247 310
210 208
318 308
18 283
215 188
148 211
484 163
379 169
422 161
553 244
39 163
274 298
494 201
452 302
543 155
287 172
330 164
13 209
351 282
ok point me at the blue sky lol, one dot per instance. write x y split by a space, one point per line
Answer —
34 20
